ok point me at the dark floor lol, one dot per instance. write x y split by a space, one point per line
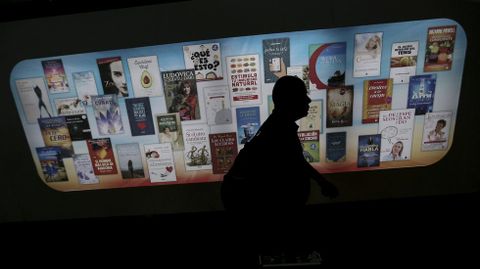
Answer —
417 231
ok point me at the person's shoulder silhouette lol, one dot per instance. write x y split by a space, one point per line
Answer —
270 172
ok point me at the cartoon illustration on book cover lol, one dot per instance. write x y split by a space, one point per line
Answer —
205 59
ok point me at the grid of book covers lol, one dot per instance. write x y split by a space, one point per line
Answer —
383 96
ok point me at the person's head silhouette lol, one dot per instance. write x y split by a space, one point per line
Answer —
290 97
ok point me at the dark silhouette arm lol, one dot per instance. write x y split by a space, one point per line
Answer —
328 189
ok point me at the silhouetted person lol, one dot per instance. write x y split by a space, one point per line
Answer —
270 172
130 168
267 187
38 93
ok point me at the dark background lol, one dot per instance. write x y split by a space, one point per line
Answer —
407 216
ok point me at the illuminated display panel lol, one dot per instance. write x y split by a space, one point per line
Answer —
384 96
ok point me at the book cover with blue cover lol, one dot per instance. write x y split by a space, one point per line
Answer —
248 122
336 147
421 91
140 116
52 164
369 150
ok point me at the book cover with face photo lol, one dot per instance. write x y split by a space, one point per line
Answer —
396 128
170 130
368 54
113 77
436 130
181 95
248 123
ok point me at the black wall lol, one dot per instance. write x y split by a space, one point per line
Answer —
23 197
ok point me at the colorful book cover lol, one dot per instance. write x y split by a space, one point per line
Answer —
313 121
181 95
205 59
310 141
421 92
160 162
34 98
130 161
327 65
302 72
140 116
101 154
197 152
248 123
217 105
436 130
243 74
69 106
170 130
78 127
145 76
368 54
113 77
439 50
396 128
107 114
377 96
403 63
224 151
340 106
336 147
55 75
52 164
276 58
84 169
369 150
55 134
86 86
